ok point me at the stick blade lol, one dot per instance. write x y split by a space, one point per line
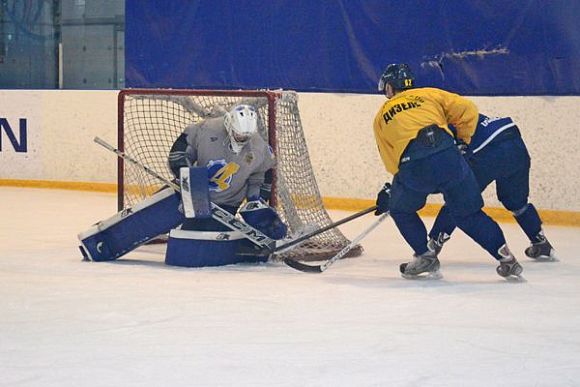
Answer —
303 267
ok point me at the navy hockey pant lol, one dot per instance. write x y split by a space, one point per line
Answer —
448 173
507 162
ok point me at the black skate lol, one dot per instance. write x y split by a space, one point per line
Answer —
509 267
426 263
542 250
436 244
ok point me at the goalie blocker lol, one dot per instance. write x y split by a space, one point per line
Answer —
195 192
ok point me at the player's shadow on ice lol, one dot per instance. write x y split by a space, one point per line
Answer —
394 281
240 267
455 274
141 262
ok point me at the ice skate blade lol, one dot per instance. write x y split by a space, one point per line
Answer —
545 258
429 276
515 278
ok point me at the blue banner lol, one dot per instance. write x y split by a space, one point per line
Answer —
512 47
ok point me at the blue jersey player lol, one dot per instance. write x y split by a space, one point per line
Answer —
497 153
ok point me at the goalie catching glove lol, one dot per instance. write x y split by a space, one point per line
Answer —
264 218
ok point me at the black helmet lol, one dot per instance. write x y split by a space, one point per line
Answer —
397 75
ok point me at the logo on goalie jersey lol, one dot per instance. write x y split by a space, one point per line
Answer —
220 174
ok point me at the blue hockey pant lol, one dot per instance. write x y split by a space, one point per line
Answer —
506 162
448 173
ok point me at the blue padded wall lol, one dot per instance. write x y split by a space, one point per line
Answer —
508 47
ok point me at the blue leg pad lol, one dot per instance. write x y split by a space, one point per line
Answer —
189 248
130 228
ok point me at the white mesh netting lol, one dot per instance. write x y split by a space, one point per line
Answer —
151 120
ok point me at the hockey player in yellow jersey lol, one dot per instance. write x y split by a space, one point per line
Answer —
423 107
418 148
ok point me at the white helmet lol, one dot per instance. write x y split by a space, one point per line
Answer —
241 124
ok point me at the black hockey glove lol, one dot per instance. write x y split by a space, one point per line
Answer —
384 199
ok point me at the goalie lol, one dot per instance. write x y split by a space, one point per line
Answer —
222 159
237 161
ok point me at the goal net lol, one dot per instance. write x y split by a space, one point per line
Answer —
151 120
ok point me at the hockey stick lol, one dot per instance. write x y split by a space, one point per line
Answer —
304 237
293 242
320 268
218 213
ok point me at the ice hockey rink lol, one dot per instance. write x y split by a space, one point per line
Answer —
137 322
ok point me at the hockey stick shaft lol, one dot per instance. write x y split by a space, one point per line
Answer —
218 213
320 268
324 229
354 242
128 158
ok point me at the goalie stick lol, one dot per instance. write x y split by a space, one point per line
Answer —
218 213
320 268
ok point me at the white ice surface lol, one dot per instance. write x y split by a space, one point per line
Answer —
137 322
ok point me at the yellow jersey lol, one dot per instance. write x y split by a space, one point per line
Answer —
405 114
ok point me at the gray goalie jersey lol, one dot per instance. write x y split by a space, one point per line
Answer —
232 177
